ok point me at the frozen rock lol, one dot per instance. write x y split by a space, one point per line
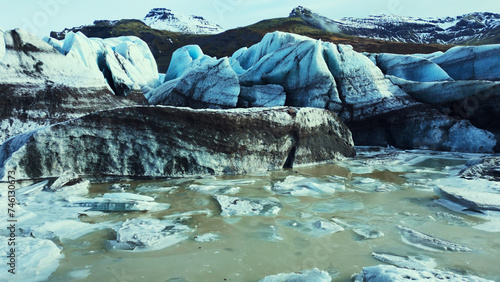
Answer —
471 62
173 142
36 259
146 234
234 206
410 68
475 200
410 262
392 273
197 81
302 186
487 168
40 86
208 237
270 95
315 275
368 232
425 241
214 189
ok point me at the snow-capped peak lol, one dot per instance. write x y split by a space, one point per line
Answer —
166 19
450 30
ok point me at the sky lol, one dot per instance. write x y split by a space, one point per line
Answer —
42 16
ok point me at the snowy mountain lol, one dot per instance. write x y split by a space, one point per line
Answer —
469 28
166 19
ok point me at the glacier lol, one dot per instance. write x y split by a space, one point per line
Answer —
197 81
471 62
126 62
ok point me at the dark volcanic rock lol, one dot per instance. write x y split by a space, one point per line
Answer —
165 141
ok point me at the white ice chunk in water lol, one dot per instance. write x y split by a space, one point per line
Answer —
36 259
315 275
147 234
234 206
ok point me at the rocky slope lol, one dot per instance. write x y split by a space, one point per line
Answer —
166 141
470 28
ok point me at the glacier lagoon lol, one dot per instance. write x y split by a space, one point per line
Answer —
330 217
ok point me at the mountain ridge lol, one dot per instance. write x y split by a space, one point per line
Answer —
163 43
473 28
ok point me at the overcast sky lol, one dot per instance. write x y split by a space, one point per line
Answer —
42 16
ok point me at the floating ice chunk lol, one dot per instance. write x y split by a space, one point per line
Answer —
79 274
120 202
451 219
410 262
36 259
314 227
146 234
305 276
214 189
392 273
368 232
234 206
424 241
301 186
208 237
128 196
65 229
472 199
119 187
155 189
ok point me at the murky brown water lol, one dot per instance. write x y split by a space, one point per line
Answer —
249 250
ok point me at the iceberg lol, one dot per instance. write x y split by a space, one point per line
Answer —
197 81
126 62
410 67
471 62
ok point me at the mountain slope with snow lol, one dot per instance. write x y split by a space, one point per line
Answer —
466 29
166 19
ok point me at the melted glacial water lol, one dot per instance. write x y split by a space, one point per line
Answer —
378 190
